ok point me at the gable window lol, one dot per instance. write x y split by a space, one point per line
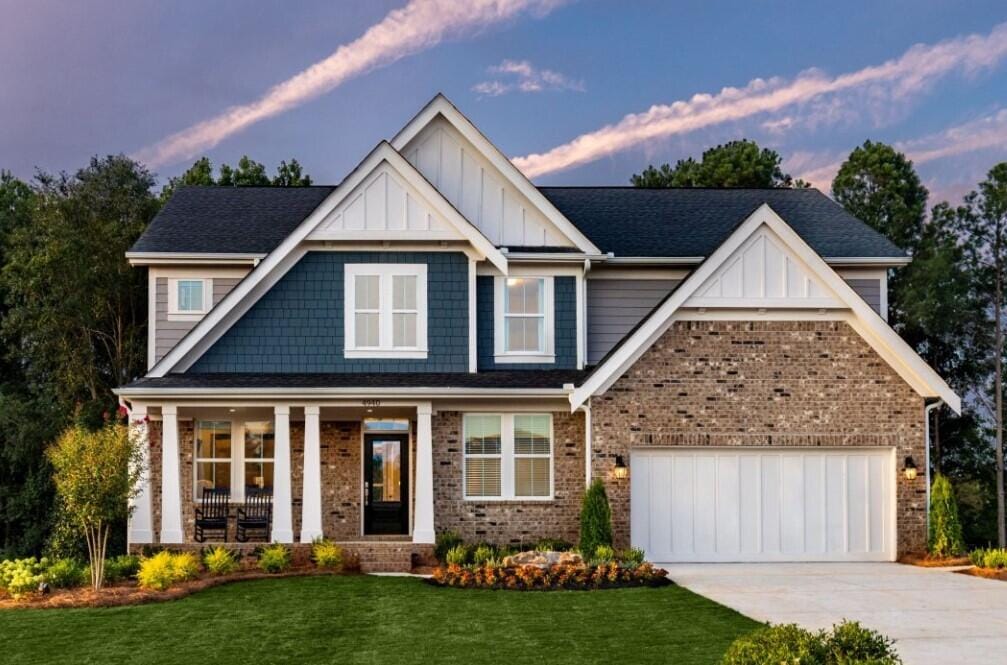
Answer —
386 310
524 320
508 456
189 298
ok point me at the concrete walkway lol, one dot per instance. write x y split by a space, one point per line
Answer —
935 615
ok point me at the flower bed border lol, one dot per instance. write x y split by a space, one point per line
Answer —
988 573
925 561
553 578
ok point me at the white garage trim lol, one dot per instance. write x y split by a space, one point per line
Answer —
764 504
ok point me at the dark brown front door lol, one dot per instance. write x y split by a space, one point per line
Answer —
386 484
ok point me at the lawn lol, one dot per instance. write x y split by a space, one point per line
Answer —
365 619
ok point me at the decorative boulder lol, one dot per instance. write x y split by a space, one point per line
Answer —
543 559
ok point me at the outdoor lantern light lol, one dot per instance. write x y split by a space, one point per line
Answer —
621 470
910 469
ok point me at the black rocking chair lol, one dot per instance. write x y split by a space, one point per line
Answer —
212 513
257 513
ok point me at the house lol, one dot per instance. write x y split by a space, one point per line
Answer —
438 344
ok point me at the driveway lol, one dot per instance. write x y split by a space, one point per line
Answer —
935 615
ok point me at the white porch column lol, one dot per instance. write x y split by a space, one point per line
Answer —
283 524
423 520
171 477
311 501
140 522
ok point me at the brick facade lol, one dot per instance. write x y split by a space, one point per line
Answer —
770 383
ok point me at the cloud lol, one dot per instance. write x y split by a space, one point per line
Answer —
914 72
418 26
522 76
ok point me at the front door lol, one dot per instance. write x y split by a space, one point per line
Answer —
386 484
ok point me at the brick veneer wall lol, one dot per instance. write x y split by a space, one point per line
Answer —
503 522
760 384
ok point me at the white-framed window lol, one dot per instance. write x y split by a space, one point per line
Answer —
189 298
386 310
213 456
524 328
259 447
507 456
233 455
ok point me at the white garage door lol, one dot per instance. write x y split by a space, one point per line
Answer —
719 504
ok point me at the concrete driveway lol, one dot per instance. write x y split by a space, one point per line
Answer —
935 615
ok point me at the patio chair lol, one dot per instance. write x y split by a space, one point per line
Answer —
257 513
212 513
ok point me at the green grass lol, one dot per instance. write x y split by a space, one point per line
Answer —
361 619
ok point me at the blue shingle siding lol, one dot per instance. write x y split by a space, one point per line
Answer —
565 305
298 325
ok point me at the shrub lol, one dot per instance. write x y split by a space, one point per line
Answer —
220 561
458 555
634 556
327 554
553 545
558 577
989 558
595 519
445 542
66 574
945 537
274 559
20 577
122 567
846 644
157 572
604 553
483 554
186 565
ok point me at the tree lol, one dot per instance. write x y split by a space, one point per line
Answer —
96 475
733 164
982 225
249 173
945 534
290 175
595 520
200 173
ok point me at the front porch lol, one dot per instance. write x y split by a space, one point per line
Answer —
359 473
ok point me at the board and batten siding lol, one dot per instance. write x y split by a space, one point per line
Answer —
615 306
168 333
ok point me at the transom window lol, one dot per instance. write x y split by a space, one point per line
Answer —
189 297
508 456
386 311
233 455
524 330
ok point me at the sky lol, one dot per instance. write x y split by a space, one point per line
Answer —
583 93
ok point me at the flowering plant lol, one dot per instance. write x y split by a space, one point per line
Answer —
551 578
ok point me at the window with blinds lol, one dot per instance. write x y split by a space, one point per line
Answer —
508 456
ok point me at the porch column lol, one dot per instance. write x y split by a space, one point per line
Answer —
171 477
311 501
423 520
283 524
140 523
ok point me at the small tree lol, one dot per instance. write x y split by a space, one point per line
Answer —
945 538
595 519
96 474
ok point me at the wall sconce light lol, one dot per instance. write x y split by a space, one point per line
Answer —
909 470
621 471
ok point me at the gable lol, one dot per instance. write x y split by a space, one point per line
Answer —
763 272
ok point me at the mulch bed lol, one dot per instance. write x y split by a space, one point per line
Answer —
988 573
131 594
926 561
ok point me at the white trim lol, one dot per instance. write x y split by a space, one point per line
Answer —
440 105
507 458
151 318
580 287
604 272
177 314
188 258
890 261
885 341
547 353
473 318
316 393
386 274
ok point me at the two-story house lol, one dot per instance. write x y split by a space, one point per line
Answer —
438 344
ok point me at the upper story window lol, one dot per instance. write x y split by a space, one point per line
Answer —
189 298
524 320
386 310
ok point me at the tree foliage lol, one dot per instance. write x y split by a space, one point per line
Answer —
248 173
595 520
945 537
734 164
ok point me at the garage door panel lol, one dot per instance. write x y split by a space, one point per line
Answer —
728 504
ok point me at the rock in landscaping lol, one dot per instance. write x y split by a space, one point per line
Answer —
543 559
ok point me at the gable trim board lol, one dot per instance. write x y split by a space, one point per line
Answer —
441 106
292 249
885 341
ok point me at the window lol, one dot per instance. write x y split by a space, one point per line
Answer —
189 298
213 456
524 320
386 311
259 440
508 456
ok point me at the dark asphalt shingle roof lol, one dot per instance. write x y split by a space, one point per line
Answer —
516 379
630 221
239 220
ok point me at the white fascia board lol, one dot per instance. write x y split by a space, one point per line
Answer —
189 258
875 330
440 105
852 261
878 261
179 394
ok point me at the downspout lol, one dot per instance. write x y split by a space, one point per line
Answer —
926 445
586 408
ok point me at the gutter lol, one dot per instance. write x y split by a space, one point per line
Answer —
189 258
315 393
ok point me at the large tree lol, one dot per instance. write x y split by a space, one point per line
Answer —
248 173
734 164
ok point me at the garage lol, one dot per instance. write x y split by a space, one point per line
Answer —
798 504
